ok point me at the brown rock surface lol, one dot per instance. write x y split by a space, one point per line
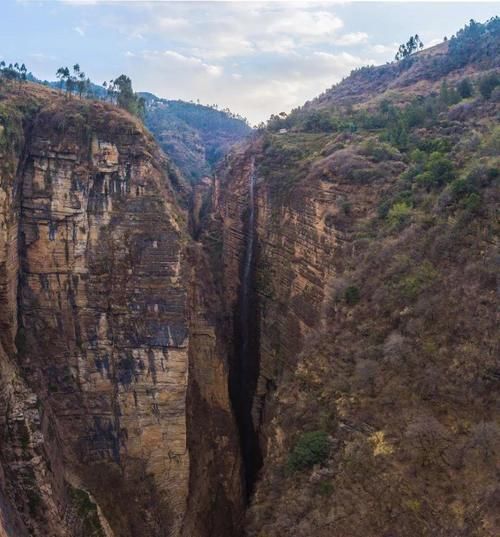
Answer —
99 329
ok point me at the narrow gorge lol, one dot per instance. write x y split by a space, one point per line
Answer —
301 343
244 368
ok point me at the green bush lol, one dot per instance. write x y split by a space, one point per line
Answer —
472 202
87 512
419 279
438 171
465 89
311 448
325 488
460 188
319 121
352 295
488 83
379 151
399 215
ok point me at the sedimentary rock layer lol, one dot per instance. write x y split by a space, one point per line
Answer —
97 299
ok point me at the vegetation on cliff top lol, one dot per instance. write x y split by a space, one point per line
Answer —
402 374
195 136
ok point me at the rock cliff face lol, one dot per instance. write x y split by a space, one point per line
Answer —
321 351
373 297
98 362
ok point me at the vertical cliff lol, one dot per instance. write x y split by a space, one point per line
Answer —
311 350
101 377
373 395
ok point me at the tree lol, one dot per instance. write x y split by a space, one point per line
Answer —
438 171
310 449
465 89
408 48
80 80
72 81
448 96
63 75
89 90
487 84
14 72
121 87
486 441
110 88
22 73
427 440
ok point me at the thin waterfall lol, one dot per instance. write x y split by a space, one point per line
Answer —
245 366
246 284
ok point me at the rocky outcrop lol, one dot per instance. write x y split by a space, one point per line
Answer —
321 350
299 234
109 351
373 296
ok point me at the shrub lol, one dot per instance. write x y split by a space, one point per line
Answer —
379 151
427 440
325 488
319 121
411 285
311 448
346 207
352 295
491 144
438 171
398 215
472 203
87 512
486 441
495 95
487 84
448 96
460 188
465 89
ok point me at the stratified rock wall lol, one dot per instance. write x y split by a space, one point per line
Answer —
293 262
96 349
215 502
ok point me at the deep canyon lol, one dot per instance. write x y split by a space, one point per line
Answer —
167 346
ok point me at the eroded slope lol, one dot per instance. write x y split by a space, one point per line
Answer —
376 395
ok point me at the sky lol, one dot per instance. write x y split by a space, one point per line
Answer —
257 58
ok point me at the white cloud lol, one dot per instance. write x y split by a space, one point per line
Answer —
170 23
193 62
258 58
384 49
279 45
79 30
41 56
353 38
172 60
306 23
224 46
281 82
212 30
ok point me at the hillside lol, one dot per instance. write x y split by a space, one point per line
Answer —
371 376
304 343
195 136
